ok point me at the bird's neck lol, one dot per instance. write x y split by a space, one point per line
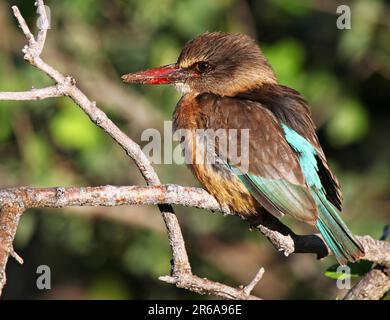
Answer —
187 112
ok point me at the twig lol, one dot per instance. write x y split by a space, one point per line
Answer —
14 255
249 288
373 286
204 286
33 94
13 202
376 251
9 220
23 25
66 86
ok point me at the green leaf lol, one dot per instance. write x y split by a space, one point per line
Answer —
357 269
333 274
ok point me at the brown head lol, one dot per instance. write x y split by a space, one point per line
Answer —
219 63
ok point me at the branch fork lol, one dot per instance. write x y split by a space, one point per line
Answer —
14 201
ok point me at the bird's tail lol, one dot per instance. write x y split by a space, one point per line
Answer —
336 234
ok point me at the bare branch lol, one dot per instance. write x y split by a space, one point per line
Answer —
204 286
23 25
113 196
33 94
109 196
376 251
248 288
13 202
9 221
14 255
373 286
67 85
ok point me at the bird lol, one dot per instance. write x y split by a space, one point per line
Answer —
226 83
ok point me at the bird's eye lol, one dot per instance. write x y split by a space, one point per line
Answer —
203 66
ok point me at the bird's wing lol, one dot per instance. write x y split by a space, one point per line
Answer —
273 174
290 108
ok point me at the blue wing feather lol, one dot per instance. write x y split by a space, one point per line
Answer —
282 196
335 232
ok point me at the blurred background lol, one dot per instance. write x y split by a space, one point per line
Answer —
344 74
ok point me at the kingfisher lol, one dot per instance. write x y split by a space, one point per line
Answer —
226 83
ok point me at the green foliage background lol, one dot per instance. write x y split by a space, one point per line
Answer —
344 74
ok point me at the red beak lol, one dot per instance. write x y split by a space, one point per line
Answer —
170 73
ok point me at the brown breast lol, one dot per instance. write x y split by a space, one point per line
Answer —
228 189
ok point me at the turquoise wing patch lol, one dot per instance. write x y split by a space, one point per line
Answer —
279 196
307 156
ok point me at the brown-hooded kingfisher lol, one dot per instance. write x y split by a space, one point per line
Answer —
227 83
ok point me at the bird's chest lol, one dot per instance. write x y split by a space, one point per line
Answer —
198 143
190 125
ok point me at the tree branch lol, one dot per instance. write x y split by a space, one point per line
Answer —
373 286
13 202
376 251
9 221
33 94
248 288
66 86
